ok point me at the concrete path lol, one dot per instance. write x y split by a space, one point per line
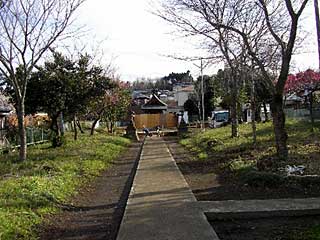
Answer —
260 208
161 205
268 205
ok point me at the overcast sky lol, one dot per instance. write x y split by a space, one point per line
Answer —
139 41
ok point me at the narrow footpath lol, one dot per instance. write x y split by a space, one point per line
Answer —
161 205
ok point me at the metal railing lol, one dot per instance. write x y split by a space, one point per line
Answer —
34 136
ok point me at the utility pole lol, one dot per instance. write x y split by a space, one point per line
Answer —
202 93
316 10
202 66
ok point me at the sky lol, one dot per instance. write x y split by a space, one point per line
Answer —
139 42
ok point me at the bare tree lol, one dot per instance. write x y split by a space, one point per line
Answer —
317 18
28 28
267 28
219 42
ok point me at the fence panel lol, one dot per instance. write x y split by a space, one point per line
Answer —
171 120
153 120
147 120
302 113
33 136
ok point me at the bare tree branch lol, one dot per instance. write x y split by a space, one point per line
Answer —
268 31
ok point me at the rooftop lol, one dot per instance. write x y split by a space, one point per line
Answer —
154 103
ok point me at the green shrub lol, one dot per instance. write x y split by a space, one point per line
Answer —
262 179
202 156
240 165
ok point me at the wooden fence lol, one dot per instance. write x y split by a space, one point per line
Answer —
168 120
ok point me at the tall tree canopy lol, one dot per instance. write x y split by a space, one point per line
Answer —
27 30
65 86
164 83
117 102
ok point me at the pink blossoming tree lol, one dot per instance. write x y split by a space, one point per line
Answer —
306 82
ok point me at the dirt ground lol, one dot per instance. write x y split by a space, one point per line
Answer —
208 183
97 211
276 228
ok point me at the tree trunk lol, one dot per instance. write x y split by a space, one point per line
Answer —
22 133
111 126
233 107
199 111
311 111
234 118
258 112
253 114
75 128
266 117
254 127
280 132
61 124
96 121
56 139
79 126
108 125
94 125
316 10
234 112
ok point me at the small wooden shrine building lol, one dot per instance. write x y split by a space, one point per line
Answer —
154 106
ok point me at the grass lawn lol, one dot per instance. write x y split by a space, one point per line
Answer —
236 154
237 160
32 189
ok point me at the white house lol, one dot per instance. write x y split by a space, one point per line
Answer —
182 93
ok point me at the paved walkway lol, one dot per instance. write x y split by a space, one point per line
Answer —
161 205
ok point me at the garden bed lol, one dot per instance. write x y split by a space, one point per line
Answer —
218 167
270 228
210 183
